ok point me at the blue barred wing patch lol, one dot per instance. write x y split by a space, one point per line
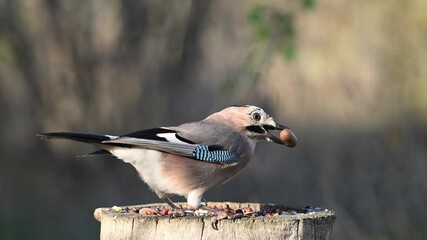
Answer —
203 153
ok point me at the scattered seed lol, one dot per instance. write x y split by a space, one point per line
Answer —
223 212
147 211
165 212
248 210
132 210
116 208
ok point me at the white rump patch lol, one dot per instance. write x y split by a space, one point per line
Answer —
147 162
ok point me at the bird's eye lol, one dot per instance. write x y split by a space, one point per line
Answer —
256 116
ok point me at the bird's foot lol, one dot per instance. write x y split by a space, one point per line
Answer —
218 215
177 212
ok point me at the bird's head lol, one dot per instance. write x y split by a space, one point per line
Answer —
256 124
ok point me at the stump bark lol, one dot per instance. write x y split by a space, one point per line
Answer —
313 225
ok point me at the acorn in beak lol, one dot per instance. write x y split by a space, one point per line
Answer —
287 137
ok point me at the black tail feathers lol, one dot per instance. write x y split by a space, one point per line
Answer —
81 137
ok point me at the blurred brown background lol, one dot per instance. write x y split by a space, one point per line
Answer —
349 77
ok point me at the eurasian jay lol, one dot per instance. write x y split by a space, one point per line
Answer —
191 158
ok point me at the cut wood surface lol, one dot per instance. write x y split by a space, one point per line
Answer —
117 225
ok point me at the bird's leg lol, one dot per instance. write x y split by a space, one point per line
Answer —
169 202
178 212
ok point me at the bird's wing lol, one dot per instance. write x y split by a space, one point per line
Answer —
170 141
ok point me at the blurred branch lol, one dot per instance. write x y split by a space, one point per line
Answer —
274 32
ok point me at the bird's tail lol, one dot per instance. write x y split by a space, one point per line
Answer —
81 137
96 139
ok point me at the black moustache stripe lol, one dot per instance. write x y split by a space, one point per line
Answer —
255 129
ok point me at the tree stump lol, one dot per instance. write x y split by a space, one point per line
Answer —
300 223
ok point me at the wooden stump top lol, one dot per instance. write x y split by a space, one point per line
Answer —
312 225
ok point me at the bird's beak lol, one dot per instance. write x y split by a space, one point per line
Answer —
287 137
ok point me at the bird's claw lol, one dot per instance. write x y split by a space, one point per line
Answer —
214 223
217 217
